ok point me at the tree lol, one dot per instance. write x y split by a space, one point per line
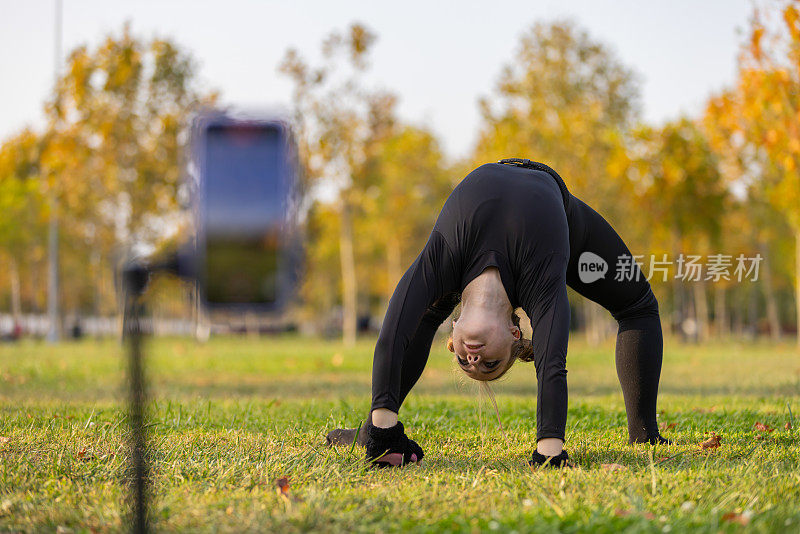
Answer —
112 155
564 100
339 124
22 208
677 183
567 101
412 187
118 127
759 117
741 164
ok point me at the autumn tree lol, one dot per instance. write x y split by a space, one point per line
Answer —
564 100
567 101
119 124
758 119
759 227
339 123
22 211
113 154
676 182
407 197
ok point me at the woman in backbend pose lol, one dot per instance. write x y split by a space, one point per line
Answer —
511 235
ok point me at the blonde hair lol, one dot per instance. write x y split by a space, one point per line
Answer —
521 349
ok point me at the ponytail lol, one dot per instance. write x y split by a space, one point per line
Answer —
522 349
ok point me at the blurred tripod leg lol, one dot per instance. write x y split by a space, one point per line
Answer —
135 279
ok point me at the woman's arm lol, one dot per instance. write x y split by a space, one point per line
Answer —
416 355
423 299
547 305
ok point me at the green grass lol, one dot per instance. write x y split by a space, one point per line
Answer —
232 416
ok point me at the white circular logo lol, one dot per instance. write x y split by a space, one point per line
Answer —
591 267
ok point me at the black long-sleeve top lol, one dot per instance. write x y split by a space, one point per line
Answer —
508 217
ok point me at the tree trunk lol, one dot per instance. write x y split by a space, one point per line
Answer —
393 264
349 283
738 312
16 300
769 294
98 283
701 310
720 312
596 322
797 281
752 313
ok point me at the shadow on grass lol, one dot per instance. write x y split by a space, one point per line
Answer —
333 386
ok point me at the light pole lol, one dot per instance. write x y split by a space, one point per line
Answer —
53 332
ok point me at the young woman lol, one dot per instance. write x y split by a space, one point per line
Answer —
511 235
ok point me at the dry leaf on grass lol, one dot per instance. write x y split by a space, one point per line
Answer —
612 467
4 439
733 517
788 425
761 427
283 485
711 443
86 454
664 426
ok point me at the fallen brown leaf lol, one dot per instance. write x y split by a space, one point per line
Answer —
761 427
85 454
664 426
788 425
4 439
733 517
711 443
283 485
612 467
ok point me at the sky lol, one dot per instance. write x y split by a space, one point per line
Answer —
440 57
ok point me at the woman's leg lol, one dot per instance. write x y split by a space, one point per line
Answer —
631 302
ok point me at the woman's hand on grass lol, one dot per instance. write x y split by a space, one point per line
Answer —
540 460
390 447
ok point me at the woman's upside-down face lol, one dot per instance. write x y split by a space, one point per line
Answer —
482 344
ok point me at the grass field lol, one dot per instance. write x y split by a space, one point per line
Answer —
232 416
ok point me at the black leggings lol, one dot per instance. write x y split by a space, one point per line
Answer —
632 303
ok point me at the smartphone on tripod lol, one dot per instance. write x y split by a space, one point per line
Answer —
246 211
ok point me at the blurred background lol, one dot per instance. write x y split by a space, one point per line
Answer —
679 122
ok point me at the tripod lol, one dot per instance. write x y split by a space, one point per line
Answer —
135 279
